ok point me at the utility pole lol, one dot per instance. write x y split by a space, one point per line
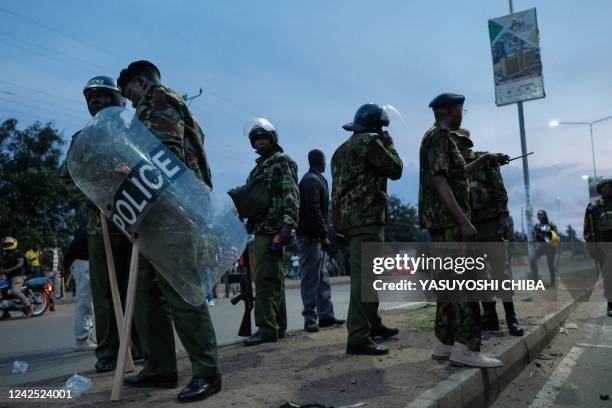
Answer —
189 99
528 208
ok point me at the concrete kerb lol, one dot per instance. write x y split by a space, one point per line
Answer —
473 387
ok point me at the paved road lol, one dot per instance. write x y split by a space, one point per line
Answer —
574 370
46 343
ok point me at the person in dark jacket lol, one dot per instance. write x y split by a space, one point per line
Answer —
313 244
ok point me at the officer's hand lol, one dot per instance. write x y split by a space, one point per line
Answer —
285 234
325 245
386 138
495 159
503 226
468 231
505 159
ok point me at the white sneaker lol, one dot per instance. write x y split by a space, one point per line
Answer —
441 351
211 303
462 356
86 344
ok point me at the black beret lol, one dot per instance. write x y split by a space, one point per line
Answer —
133 70
446 99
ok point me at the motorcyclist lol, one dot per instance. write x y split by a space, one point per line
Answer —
12 268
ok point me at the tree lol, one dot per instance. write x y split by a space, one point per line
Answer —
35 206
402 225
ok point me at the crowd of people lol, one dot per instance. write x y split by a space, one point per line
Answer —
461 198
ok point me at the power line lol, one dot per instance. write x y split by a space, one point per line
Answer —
63 54
71 65
40 92
54 30
44 109
36 117
77 111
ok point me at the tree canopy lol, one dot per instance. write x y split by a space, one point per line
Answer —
35 206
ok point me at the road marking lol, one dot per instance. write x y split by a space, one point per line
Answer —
605 346
548 394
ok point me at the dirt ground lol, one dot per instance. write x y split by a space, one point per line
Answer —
314 368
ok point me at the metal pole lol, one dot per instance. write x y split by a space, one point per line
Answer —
528 208
593 150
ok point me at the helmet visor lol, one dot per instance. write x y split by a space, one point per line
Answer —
258 125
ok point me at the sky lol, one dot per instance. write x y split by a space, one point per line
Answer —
307 66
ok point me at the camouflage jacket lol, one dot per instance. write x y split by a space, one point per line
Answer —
488 195
166 115
439 155
360 168
598 221
280 173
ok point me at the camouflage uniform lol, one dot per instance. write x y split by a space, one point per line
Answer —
598 228
107 335
360 168
439 156
158 305
489 201
280 174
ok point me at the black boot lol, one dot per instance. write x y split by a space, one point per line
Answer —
610 309
514 326
200 388
384 331
489 320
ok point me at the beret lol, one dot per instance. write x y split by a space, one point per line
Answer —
133 70
446 99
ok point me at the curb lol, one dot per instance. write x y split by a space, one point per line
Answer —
474 387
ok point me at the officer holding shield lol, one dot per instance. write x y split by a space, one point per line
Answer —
101 92
166 115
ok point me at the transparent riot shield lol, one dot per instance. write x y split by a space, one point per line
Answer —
184 229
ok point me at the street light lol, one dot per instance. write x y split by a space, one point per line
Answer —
555 123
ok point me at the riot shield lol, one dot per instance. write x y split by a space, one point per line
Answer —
184 229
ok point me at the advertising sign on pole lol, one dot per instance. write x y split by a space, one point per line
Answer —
517 66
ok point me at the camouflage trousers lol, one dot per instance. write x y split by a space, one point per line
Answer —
456 321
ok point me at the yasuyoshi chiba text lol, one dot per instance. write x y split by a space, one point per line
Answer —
482 285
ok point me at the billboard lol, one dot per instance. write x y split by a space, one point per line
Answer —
517 66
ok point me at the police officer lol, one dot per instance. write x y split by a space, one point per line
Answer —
158 304
272 229
598 229
444 209
101 92
360 169
490 216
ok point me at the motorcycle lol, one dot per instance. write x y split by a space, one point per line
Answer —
38 290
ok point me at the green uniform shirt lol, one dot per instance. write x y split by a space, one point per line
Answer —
488 195
280 174
598 221
360 168
439 155
166 115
